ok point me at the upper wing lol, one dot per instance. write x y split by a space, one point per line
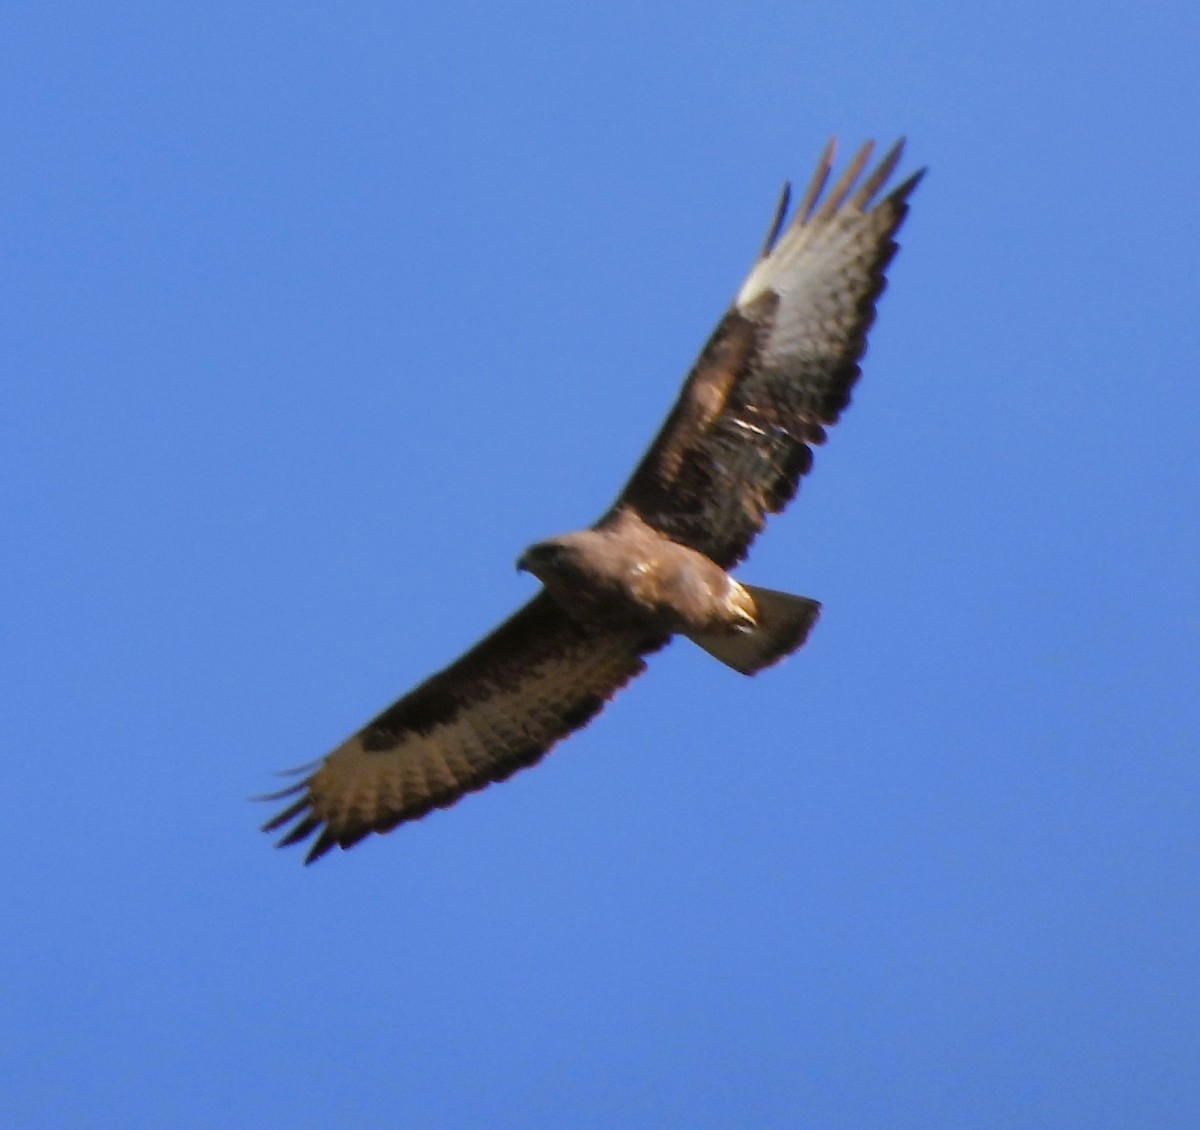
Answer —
497 709
778 368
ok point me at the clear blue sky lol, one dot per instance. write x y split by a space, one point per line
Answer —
314 315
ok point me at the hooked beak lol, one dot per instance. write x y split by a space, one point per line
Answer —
538 554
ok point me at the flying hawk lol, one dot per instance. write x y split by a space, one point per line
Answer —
776 372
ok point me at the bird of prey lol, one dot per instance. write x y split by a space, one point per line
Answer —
776 372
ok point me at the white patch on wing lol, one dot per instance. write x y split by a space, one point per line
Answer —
746 427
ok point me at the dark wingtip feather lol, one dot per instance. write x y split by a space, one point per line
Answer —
839 192
308 821
905 189
301 831
777 220
278 821
281 794
325 843
819 178
879 177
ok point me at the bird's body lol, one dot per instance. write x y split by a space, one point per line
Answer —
776 372
621 572
625 572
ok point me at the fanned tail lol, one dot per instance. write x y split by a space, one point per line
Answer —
783 622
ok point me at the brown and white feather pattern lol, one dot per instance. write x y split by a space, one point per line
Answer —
497 709
778 369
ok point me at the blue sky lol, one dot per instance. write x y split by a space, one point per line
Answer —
313 316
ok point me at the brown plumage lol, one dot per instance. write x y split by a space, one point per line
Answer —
775 374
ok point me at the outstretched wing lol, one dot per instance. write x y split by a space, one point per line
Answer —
499 708
778 369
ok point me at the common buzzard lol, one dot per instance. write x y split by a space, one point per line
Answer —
776 372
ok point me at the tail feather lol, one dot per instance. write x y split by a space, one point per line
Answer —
783 622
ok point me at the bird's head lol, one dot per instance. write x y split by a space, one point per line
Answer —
545 558
563 558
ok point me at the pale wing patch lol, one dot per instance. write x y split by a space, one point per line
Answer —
826 261
829 274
